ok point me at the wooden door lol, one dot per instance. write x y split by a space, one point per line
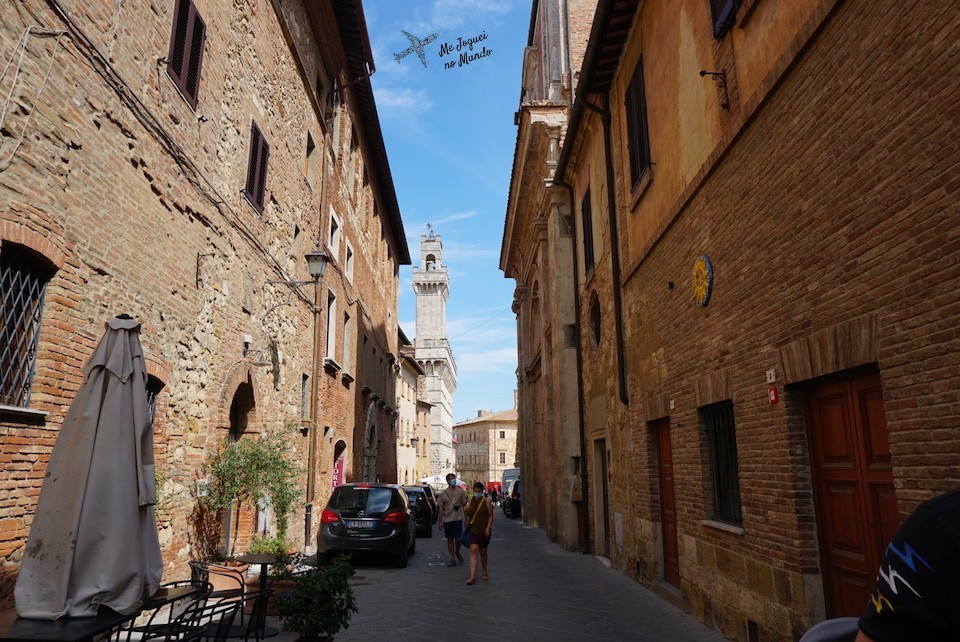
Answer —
668 503
853 480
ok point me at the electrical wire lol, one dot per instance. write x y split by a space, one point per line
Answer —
482 323
22 48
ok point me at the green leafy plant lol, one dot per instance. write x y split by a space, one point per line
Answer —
322 601
243 472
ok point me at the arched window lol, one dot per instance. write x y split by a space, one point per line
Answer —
24 275
154 386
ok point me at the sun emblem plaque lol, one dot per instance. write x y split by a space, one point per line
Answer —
702 280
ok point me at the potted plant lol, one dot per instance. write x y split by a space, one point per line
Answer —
241 473
321 602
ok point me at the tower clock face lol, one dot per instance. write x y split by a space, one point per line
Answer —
702 280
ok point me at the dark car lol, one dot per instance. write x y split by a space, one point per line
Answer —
367 518
432 498
511 503
421 509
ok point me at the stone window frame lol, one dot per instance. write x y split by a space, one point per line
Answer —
185 57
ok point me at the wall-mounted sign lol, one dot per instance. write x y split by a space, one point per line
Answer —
702 280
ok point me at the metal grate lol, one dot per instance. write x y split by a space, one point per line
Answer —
22 286
722 438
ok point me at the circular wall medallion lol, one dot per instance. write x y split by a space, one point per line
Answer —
702 280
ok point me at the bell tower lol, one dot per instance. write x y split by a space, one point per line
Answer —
431 284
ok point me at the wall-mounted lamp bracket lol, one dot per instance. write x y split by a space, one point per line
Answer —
721 79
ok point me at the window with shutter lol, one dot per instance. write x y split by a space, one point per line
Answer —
587 215
638 141
723 13
256 169
186 50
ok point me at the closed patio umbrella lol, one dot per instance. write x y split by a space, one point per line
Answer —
93 541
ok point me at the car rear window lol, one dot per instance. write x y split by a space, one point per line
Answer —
416 497
372 500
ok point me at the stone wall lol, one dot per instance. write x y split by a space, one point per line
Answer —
136 199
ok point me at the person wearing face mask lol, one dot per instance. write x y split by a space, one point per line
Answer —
479 513
450 506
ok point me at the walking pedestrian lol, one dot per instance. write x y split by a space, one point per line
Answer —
450 506
479 512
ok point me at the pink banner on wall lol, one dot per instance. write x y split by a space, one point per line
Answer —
337 477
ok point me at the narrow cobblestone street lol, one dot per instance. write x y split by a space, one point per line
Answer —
536 592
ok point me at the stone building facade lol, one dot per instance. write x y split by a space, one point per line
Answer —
764 202
176 161
486 445
413 425
538 254
431 284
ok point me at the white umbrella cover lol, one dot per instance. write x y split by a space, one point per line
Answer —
94 540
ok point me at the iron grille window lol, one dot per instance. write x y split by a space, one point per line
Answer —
23 281
186 50
722 442
638 139
723 13
503 458
587 215
256 168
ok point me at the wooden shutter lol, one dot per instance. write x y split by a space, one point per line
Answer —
186 50
586 214
257 168
723 13
637 135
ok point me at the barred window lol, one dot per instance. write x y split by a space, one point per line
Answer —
23 280
721 436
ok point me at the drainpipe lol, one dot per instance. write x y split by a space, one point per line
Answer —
604 113
584 478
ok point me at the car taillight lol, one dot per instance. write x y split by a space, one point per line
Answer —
396 517
329 517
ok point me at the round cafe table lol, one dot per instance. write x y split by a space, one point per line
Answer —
264 560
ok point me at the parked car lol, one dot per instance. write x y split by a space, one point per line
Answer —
512 507
421 509
367 518
432 498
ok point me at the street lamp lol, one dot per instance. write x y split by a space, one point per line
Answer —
317 261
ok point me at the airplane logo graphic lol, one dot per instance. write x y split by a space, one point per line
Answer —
416 45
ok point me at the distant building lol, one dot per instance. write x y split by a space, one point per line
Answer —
413 422
431 283
486 446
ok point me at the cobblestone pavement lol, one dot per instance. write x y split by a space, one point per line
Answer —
536 591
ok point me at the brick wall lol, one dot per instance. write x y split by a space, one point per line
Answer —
830 197
137 199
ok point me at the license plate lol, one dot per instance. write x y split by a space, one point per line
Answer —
359 523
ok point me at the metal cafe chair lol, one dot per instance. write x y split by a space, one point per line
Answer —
257 621
236 587
200 620
161 620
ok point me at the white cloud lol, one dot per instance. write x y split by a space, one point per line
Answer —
403 101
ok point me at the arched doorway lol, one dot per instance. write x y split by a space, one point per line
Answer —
242 407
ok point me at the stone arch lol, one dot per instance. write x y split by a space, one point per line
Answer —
242 373
14 233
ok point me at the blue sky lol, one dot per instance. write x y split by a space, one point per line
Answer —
450 137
